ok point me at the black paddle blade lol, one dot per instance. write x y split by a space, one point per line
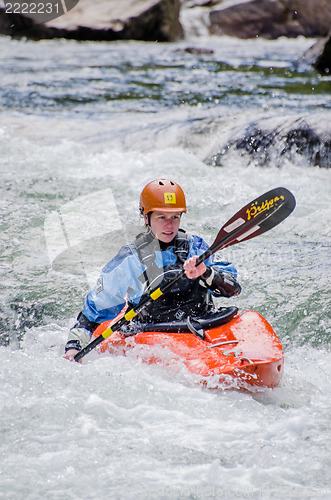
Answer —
260 215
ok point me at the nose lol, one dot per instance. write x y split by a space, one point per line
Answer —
169 223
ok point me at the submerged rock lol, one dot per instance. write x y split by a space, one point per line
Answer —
29 314
20 315
101 20
270 141
4 329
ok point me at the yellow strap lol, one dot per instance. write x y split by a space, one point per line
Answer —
107 333
130 314
156 294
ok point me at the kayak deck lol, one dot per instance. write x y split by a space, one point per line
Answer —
245 349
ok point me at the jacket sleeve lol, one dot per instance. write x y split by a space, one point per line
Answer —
219 283
80 334
220 277
117 283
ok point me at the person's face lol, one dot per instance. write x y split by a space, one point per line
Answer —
164 225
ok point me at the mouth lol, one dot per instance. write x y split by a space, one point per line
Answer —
168 234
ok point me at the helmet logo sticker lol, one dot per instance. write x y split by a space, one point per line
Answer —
170 198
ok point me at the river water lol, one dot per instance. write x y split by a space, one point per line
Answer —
83 127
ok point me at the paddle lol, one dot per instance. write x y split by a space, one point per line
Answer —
260 215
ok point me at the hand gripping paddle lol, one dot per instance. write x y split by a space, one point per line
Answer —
260 215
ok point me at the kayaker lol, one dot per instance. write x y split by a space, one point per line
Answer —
157 254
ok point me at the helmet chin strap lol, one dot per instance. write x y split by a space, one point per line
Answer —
153 235
149 231
148 226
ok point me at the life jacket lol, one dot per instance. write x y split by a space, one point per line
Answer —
186 297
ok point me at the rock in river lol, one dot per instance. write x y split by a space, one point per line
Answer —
102 20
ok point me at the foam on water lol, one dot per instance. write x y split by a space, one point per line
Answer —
117 427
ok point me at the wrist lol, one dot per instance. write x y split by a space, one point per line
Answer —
208 275
72 345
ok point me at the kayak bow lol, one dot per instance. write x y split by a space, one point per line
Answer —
244 352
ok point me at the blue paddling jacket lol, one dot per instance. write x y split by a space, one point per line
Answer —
141 267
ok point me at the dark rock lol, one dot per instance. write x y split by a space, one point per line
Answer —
314 16
323 62
311 55
319 55
20 315
202 3
273 18
29 314
102 20
251 19
4 329
271 141
198 51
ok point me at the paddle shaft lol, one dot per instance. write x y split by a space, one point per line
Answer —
136 310
255 218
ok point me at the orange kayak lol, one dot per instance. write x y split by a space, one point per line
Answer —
242 352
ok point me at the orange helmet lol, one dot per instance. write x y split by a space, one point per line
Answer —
162 195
